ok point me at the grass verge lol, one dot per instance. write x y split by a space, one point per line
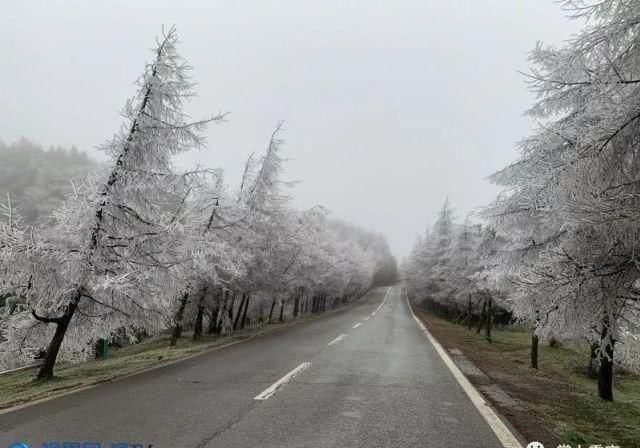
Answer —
560 404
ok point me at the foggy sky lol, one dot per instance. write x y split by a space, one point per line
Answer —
390 106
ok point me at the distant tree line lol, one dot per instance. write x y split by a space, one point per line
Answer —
39 180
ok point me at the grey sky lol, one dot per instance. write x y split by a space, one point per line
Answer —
389 105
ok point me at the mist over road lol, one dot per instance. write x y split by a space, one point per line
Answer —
365 377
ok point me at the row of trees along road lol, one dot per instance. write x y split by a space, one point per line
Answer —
141 248
561 248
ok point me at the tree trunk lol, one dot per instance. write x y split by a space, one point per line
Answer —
281 311
177 327
217 311
273 304
233 302
213 320
592 367
197 326
469 313
62 324
261 313
482 316
239 313
243 322
296 305
489 319
605 371
534 350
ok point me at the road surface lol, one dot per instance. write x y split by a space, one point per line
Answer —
365 377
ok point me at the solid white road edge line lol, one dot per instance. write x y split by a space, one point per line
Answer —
357 325
505 436
338 339
367 318
269 391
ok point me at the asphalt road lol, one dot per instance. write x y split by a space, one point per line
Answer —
381 385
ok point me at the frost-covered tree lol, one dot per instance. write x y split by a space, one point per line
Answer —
431 257
464 264
118 230
573 195
446 271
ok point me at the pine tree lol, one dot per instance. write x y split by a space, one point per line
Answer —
118 231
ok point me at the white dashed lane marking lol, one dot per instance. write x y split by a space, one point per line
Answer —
269 391
338 339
